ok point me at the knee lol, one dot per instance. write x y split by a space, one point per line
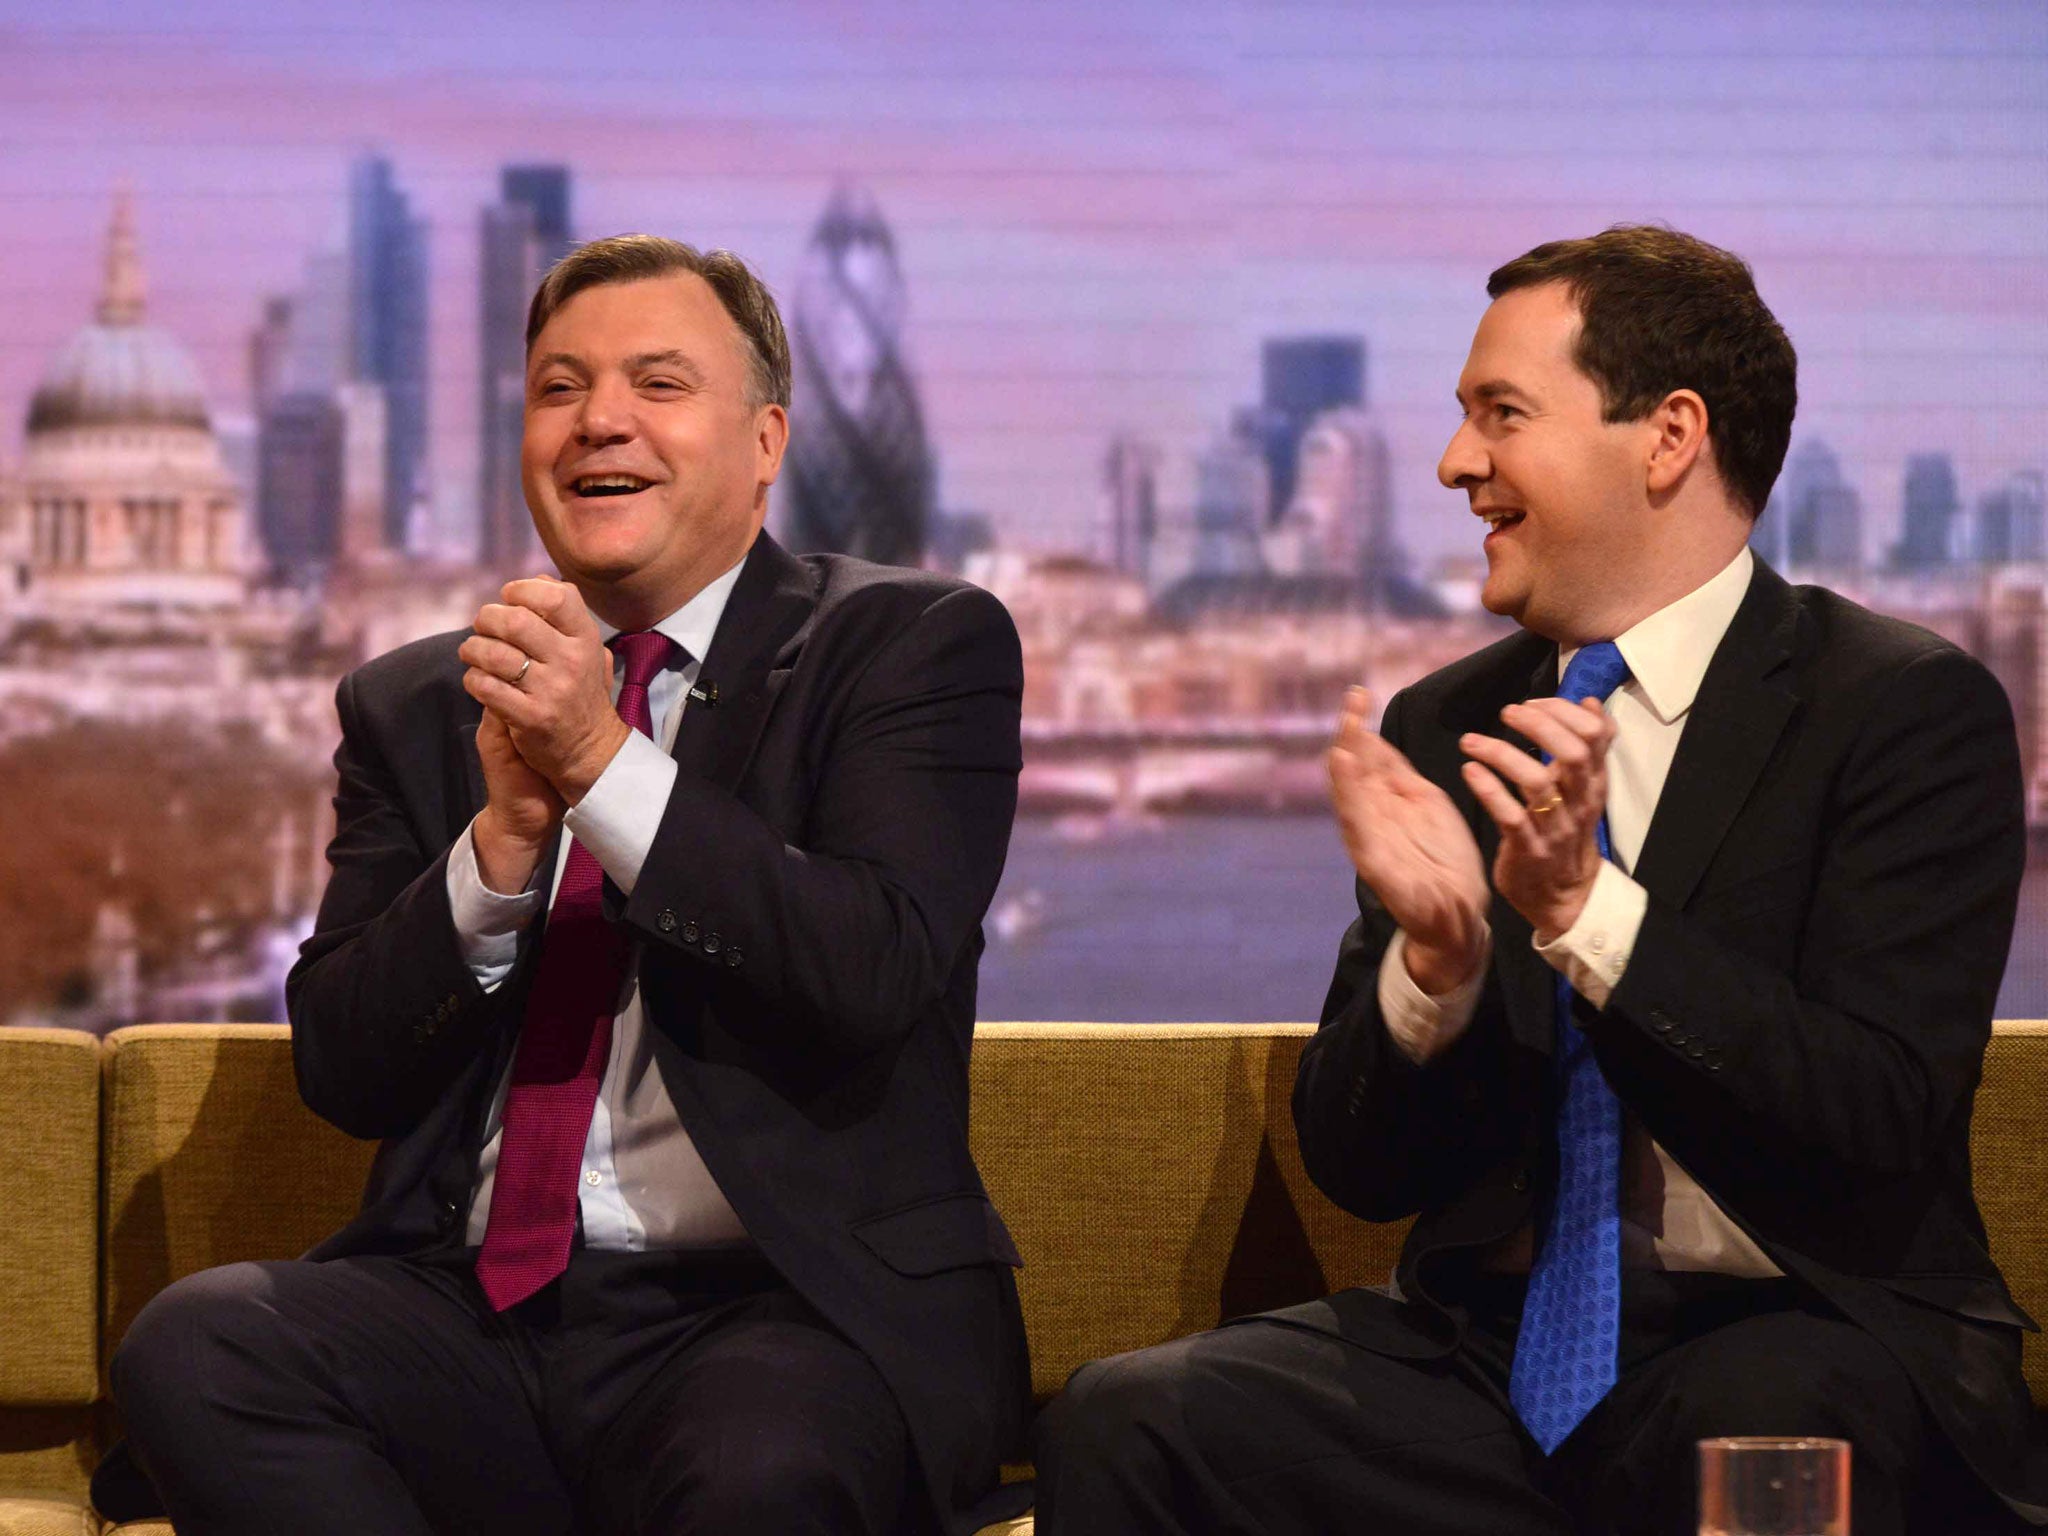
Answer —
171 1347
1831 1379
760 1481
1111 1408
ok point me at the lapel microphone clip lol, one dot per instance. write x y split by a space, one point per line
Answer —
705 694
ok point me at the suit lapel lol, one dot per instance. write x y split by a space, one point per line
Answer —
752 652
1742 707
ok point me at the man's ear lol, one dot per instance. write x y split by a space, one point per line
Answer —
771 438
1680 424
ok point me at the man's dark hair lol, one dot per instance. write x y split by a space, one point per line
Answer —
631 258
1661 311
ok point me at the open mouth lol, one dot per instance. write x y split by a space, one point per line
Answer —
608 485
1497 518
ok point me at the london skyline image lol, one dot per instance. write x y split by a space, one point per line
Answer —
1145 317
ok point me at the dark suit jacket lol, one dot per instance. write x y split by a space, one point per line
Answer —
1833 870
810 917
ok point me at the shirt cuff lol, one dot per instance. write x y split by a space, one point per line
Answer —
1423 1025
487 925
1594 951
619 815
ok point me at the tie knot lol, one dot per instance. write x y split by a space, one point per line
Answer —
1595 672
643 652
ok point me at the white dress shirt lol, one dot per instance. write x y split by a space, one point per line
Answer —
1668 1221
643 1184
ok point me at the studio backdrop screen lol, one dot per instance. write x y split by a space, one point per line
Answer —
1145 316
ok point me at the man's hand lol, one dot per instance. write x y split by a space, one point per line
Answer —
516 824
1548 854
538 663
1412 848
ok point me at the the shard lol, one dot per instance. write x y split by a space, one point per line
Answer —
859 473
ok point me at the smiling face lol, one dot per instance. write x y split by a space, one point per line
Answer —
1573 550
645 464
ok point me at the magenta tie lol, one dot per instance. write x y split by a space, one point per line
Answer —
564 1044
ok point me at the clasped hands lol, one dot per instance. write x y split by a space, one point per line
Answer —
1412 847
539 666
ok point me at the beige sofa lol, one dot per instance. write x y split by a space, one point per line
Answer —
1149 1174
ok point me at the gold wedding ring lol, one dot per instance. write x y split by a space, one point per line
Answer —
521 673
1547 806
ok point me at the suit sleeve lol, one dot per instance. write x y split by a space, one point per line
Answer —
385 1011
845 937
1382 1136
1854 1065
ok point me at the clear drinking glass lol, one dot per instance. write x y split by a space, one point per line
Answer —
1753 1485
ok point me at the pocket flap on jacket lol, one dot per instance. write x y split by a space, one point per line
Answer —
1973 1296
934 1235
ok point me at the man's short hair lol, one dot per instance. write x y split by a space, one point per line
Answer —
1661 311
632 258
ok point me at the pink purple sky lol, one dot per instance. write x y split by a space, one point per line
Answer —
1102 208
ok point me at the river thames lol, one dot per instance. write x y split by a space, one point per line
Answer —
1217 918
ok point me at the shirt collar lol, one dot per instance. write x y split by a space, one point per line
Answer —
692 625
1667 653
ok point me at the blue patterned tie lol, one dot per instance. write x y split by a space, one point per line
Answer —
1570 1337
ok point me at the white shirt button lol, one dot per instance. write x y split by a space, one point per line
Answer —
593 1178
1597 943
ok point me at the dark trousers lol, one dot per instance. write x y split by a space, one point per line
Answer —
1339 1416
643 1393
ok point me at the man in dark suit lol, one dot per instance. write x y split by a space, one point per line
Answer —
674 1227
1682 917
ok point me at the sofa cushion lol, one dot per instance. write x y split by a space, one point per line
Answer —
48 1517
2009 1169
49 1188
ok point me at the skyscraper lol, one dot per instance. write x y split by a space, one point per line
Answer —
270 347
2009 521
859 471
1340 522
1130 483
1822 514
1303 376
299 473
521 235
387 329
1927 539
1233 498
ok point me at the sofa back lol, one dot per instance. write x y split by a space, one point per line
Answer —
1150 1177
49 1258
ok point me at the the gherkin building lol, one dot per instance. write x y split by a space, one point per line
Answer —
859 475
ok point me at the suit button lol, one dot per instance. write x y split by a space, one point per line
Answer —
690 932
1696 1051
1679 1039
444 1219
1660 1021
1519 1183
713 943
666 921
732 959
